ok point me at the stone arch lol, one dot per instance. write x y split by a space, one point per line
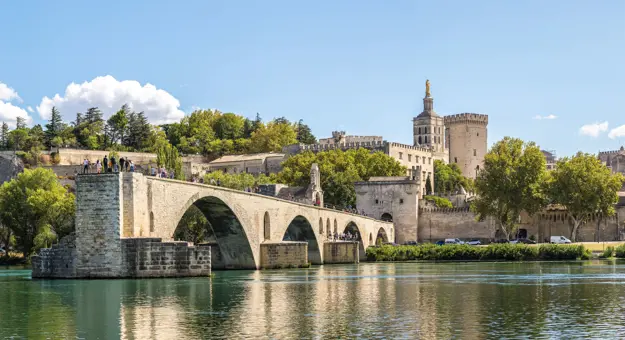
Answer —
232 242
353 229
336 226
386 217
301 230
320 226
381 237
267 226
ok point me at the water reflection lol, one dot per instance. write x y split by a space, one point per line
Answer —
404 300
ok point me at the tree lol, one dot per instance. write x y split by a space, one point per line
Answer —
304 134
4 136
273 137
428 186
20 123
339 170
117 124
585 187
229 126
138 131
167 156
54 126
193 226
448 177
32 202
512 181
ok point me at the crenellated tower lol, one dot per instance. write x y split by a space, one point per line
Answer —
429 127
466 138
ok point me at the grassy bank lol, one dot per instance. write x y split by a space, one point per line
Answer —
494 252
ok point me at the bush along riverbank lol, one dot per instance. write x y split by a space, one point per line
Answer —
493 252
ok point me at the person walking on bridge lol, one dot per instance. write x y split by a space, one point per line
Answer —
105 164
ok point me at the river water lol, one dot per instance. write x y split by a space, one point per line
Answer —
368 301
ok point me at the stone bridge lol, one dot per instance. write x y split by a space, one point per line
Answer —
241 221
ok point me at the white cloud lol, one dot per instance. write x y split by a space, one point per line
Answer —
593 130
617 132
539 117
109 94
8 111
8 94
30 109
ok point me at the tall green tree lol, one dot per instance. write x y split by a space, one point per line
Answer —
304 134
35 202
512 181
167 156
20 123
273 137
4 136
54 127
448 177
138 131
229 126
428 186
339 170
585 187
117 124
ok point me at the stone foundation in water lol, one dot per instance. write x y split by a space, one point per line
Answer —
341 252
140 258
285 254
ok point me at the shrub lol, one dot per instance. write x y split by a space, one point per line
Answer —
620 251
608 252
55 158
440 202
493 252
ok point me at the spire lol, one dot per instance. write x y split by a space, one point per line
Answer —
428 102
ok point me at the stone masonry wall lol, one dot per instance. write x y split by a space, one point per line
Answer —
149 257
340 252
439 224
58 261
99 216
283 254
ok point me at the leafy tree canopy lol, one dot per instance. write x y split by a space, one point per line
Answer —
339 170
448 177
511 181
585 187
36 203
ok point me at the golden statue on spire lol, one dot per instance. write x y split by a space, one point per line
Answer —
427 88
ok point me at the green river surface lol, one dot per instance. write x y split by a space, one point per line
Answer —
552 300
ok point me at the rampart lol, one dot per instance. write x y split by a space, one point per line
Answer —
474 118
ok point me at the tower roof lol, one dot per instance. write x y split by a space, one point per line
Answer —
428 103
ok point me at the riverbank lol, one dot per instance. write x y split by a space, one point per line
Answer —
12 259
494 252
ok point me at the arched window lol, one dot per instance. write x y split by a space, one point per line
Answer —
328 226
419 139
267 229
426 140
320 226
418 131
336 226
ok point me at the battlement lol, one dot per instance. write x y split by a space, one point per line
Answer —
611 152
474 118
342 146
410 147
462 210
341 138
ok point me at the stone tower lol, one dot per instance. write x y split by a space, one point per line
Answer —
466 139
314 192
429 127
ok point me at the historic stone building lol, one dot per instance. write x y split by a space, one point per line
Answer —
459 138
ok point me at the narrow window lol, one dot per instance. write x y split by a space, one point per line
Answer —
409 157
400 155
376 201
455 159
474 152
430 160
478 134
401 201
419 139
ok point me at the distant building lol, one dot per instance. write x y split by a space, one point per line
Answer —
460 139
255 164
550 158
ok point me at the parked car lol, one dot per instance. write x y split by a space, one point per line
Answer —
559 240
453 241
503 240
523 241
411 243
474 243
440 243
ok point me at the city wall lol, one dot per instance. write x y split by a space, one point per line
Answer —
437 224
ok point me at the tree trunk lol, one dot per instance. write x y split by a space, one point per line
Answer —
576 225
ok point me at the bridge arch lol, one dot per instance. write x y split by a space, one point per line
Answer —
353 229
233 243
336 227
267 226
386 217
381 237
300 229
320 226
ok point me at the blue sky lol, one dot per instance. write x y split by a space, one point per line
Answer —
358 66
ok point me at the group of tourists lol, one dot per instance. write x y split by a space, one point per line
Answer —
162 172
107 165
333 237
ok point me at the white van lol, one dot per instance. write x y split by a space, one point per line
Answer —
453 241
560 240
